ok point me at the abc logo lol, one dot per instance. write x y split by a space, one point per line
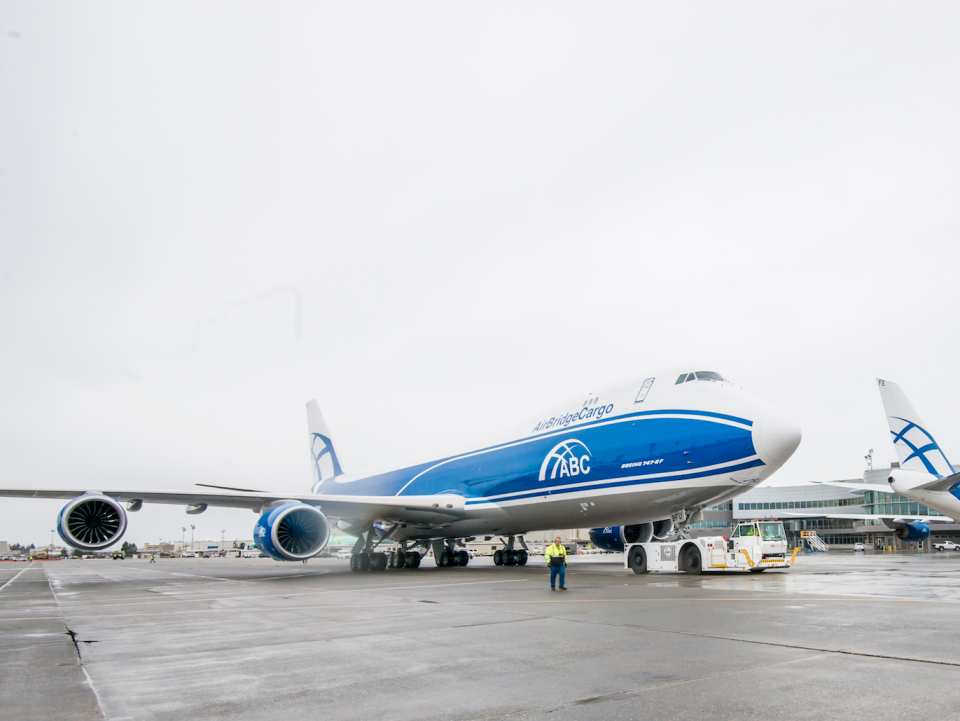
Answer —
570 458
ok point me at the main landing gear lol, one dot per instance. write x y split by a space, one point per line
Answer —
511 556
380 561
452 557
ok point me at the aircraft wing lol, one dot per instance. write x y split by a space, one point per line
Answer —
439 509
856 486
874 517
934 484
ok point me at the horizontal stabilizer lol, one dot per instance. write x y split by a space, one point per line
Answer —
940 484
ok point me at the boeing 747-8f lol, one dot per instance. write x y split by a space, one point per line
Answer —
635 459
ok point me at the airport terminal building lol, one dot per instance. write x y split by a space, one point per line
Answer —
788 503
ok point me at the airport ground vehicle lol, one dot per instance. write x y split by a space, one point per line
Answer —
343 555
754 546
947 546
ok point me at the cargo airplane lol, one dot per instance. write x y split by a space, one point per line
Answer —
638 461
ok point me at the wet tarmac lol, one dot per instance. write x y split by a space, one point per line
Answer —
837 636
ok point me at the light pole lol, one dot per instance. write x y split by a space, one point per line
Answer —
183 537
192 529
223 540
52 531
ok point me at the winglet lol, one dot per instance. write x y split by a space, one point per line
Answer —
916 447
324 461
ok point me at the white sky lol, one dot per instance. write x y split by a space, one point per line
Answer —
467 212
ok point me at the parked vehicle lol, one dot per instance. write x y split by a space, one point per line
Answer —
342 554
947 546
859 547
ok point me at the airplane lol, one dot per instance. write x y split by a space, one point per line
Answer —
925 475
639 460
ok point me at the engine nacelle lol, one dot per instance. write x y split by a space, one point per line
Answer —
91 522
913 531
612 538
292 532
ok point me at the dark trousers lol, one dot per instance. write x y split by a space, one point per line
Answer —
554 572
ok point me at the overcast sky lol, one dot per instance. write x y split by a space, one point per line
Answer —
439 218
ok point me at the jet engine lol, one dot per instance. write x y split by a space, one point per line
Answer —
662 529
91 522
612 538
913 531
292 532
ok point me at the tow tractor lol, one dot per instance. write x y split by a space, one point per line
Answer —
754 546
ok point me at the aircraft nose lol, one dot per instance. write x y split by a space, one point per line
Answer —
778 435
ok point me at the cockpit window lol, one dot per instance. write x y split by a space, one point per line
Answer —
700 375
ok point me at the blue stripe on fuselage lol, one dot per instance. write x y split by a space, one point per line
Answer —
632 481
675 446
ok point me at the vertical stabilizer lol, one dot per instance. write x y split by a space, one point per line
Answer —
916 447
324 461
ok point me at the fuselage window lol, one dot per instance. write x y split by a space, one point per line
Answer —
708 376
691 377
681 379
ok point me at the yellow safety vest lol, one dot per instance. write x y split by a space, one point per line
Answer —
555 550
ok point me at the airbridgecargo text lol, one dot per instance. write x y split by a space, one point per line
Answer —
565 420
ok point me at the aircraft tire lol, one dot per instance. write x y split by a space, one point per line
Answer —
382 561
400 560
521 558
363 562
692 563
498 558
445 561
463 558
415 560
638 560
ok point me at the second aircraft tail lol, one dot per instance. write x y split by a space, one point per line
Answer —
916 447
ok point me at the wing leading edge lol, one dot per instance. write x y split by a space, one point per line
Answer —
438 509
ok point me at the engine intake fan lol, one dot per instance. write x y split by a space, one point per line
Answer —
91 522
292 532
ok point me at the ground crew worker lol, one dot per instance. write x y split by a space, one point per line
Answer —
556 556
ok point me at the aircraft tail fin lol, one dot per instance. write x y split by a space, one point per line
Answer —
915 445
324 461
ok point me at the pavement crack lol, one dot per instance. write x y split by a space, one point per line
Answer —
76 645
